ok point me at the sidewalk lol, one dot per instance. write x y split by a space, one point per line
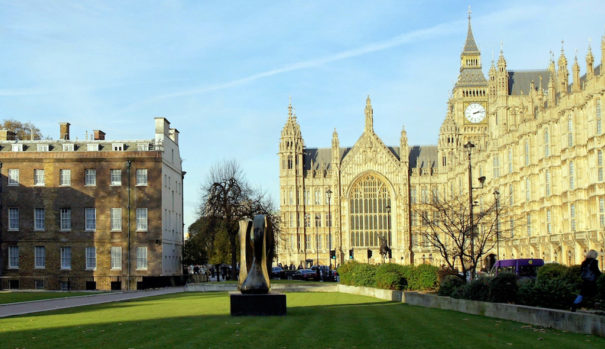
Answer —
13 309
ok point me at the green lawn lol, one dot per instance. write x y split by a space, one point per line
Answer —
14 297
314 320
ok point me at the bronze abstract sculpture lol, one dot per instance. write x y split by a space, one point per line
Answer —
253 275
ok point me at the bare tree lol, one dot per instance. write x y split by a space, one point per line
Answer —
227 198
446 227
24 131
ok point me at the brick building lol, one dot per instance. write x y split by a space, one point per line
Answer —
90 214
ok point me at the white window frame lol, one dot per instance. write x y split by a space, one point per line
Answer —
141 177
90 177
39 177
142 147
13 257
92 147
141 258
141 219
117 146
17 147
90 219
65 177
116 257
13 219
91 258
42 147
65 219
115 176
39 219
66 258
68 147
39 257
115 218
13 177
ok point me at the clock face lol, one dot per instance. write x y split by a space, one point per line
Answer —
475 113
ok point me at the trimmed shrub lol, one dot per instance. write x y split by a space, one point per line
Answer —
462 292
503 288
479 289
390 276
573 276
449 284
345 272
526 293
444 272
363 275
424 277
554 293
600 298
551 271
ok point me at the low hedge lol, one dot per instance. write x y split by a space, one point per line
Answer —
389 276
556 286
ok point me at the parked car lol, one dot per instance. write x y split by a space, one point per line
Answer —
523 268
305 274
278 273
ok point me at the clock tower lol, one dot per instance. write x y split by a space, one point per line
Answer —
468 103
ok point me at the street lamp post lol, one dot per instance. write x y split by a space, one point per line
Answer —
317 245
329 194
469 147
388 208
497 198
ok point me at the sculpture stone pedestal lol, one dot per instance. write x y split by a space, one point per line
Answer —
258 304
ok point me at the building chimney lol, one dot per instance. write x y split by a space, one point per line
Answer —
99 135
6 135
174 135
64 130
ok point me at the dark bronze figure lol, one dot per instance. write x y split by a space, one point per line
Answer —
257 279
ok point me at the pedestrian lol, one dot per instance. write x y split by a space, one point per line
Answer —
589 271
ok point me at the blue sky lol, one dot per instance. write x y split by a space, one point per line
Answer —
222 71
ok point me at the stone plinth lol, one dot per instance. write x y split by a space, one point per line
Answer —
258 304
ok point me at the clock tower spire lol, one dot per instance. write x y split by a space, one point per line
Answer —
469 102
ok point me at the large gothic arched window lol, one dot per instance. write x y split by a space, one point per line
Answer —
369 209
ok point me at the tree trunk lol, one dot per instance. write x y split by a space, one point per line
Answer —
233 240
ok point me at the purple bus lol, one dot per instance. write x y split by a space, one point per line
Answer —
523 268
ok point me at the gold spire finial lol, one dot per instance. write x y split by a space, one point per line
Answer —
290 107
469 13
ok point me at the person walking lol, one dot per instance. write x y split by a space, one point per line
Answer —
589 271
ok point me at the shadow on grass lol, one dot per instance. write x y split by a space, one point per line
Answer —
202 320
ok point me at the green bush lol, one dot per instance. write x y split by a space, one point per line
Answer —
526 293
462 292
503 288
573 276
444 272
364 275
424 277
449 284
554 293
390 276
479 289
345 272
551 271
600 297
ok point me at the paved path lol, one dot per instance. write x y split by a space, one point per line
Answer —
13 309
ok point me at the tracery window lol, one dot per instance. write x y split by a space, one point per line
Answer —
370 205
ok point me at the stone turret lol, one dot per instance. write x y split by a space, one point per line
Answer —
576 75
563 75
502 76
369 112
589 64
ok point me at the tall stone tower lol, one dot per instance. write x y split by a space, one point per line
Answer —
469 101
291 148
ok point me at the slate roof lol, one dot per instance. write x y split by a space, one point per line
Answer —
420 156
519 81
79 146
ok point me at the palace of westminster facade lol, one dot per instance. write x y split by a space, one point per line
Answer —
538 139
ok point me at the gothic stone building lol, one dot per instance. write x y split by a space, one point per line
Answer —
90 214
538 141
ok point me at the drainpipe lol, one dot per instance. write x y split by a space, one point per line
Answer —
128 166
183 173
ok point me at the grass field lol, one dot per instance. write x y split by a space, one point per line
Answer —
314 320
14 297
